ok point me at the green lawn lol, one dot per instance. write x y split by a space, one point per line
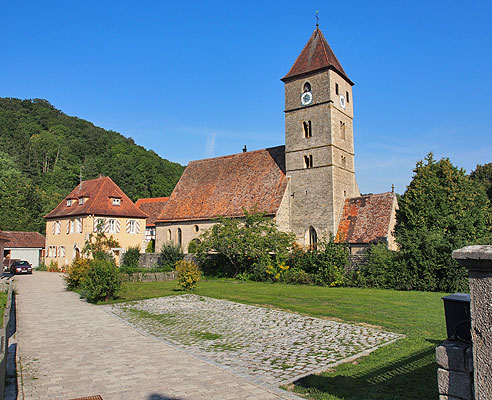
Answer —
403 370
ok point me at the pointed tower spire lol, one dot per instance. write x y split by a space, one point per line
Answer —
315 57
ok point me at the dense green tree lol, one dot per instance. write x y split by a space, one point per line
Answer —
441 210
245 243
483 175
48 153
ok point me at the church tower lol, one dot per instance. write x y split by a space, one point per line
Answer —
319 142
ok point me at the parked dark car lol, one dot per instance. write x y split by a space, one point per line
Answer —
21 267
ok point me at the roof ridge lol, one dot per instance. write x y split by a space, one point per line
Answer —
235 154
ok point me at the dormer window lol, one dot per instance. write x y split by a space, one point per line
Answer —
69 203
81 201
116 201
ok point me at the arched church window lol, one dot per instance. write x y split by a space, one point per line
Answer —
169 235
307 87
180 237
337 90
313 238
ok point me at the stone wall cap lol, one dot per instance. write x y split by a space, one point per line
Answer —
477 252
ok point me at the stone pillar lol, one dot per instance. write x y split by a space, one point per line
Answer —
478 261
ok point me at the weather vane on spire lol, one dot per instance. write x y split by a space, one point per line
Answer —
317 18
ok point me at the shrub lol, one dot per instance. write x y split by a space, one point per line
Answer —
42 267
76 273
130 259
188 274
53 267
170 255
297 277
325 262
102 281
269 268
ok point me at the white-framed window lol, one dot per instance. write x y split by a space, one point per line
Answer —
111 226
52 251
69 202
78 225
132 226
62 251
57 228
116 201
81 201
72 226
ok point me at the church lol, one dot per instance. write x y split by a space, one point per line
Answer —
308 185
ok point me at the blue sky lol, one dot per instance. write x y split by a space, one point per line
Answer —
191 80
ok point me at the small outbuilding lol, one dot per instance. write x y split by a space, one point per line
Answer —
28 246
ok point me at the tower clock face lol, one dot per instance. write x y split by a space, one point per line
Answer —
306 98
342 101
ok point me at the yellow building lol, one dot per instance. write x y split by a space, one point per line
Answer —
93 204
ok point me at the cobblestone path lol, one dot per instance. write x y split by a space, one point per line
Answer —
269 345
69 349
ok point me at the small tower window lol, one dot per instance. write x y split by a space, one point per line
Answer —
342 129
337 90
306 125
344 162
196 228
308 161
347 97
306 88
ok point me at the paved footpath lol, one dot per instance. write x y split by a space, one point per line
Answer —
68 348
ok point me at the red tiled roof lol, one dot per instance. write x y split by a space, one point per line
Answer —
366 219
98 193
152 207
3 237
316 55
24 239
223 186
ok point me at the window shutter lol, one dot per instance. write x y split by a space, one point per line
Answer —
117 226
68 227
138 226
96 220
54 223
106 225
128 226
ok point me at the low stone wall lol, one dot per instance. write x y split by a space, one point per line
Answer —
455 372
149 276
4 338
148 260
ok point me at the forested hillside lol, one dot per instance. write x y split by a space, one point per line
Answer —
43 153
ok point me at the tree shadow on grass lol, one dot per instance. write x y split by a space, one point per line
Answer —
412 377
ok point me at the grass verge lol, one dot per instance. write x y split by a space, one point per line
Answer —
403 370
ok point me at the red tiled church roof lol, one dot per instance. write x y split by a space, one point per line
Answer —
98 193
152 207
23 239
316 55
366 219
223 186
